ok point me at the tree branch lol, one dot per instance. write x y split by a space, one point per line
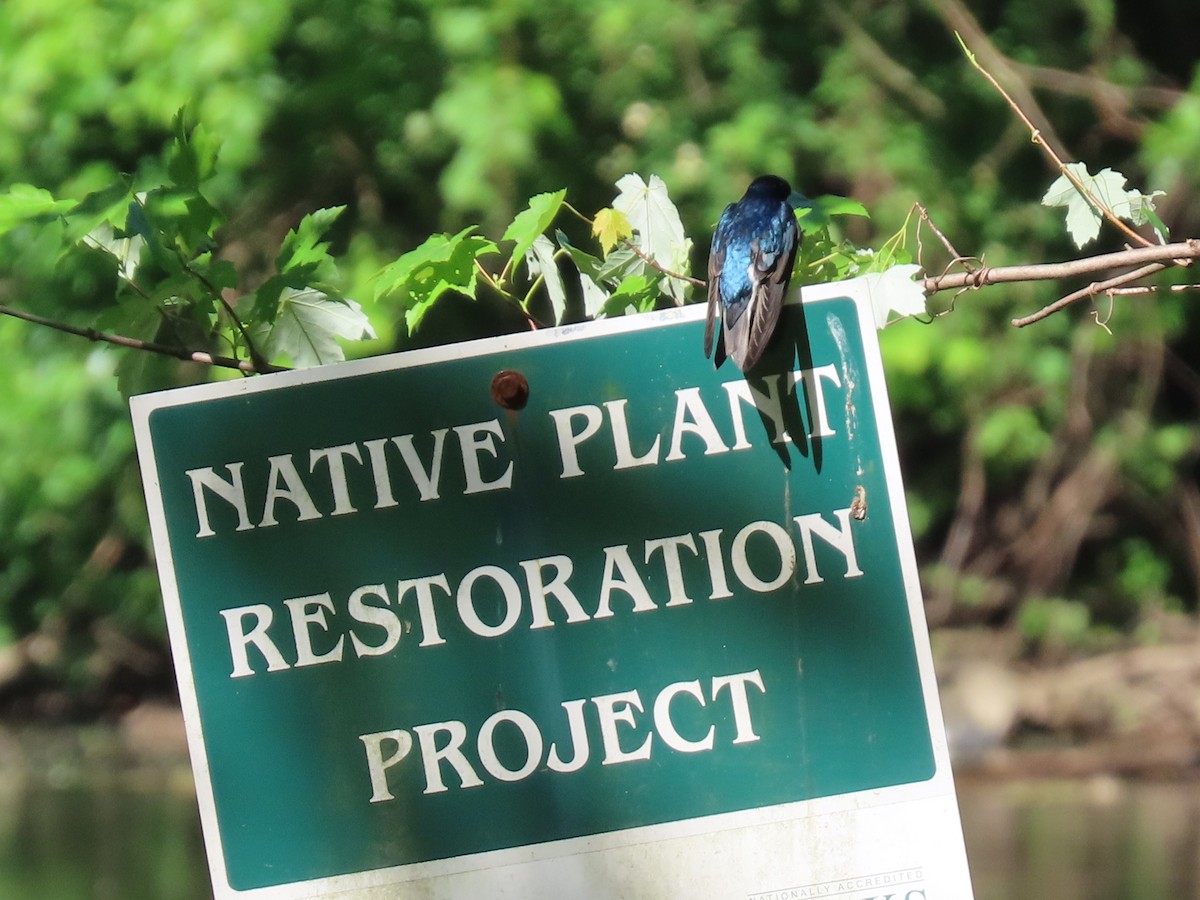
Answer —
891 73
1184 250
1084 84
1096 287
119 340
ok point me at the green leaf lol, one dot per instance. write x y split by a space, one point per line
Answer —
193 157
584 261
442 263
302 247
144 219
107 206
197 225
637 293
819 212
308 324
265 307
24 202
532 222
221 273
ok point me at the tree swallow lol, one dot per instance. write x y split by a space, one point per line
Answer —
753 250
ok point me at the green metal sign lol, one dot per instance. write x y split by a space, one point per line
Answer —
489 606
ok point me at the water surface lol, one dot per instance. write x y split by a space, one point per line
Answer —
82 817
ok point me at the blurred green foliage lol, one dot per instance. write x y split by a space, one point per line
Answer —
1052 462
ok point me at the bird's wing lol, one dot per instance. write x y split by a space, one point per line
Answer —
716 261
772 271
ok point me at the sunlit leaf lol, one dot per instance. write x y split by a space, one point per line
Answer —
308 324
442 263
532 222
1107 186
637 293
657 227
817 213
611 226
894 291
540 260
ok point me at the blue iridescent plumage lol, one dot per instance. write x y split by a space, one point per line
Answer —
753 250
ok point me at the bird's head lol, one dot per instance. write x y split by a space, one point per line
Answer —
770 187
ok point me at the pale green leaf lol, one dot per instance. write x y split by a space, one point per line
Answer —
622 264
594 296
1108 187
895 291
540 260
1138 208
308 324
658 230
127 251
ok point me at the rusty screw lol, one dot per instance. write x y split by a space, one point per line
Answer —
510 389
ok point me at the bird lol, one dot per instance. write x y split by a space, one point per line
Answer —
749 267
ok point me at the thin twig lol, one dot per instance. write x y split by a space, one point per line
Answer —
534 324
956 257
1152 289
1097 287
1036 135
120 340
257 358
654 264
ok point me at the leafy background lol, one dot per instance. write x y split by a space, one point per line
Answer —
1050 470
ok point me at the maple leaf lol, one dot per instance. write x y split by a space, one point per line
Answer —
659 230
1107 186
610 227
894 291
308 323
